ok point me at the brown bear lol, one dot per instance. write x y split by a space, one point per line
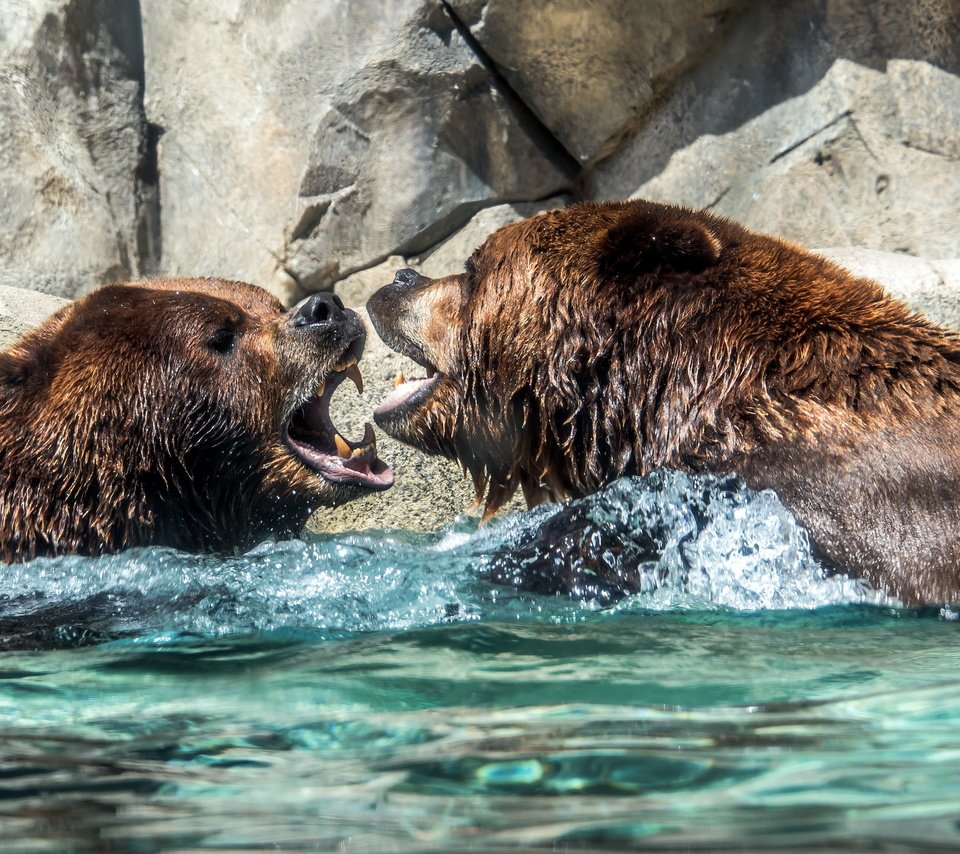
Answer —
185 413
613 339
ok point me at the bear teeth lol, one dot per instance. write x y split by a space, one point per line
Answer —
366 447
349 362
343 449
353 374
400 379
369 437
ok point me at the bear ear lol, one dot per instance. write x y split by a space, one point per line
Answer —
12 375
651 242
17 368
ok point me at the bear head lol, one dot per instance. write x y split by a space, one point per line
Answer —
614 338
188 413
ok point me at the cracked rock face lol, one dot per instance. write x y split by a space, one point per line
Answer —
74 212
865 158
303 141
589 69
768 54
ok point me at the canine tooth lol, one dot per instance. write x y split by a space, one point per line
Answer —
369 437
320 389
353 373
398 380
343 449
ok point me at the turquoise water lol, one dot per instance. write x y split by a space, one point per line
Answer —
374 693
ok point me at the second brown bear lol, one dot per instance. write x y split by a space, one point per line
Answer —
612 339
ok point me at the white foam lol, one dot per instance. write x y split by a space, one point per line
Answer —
720 545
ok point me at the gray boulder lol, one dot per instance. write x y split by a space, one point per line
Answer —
305 141
770 53
75 196
21 310
588 68
865 158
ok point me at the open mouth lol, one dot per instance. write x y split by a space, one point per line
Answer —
314 438
407 394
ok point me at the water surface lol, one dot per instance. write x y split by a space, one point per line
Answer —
374 692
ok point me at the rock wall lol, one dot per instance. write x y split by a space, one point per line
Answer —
772 53
293 143
854 161
587 68
305 145
77 197
303 141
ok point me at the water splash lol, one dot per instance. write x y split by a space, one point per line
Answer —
684 541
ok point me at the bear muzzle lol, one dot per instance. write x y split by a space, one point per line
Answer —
308 431
394 312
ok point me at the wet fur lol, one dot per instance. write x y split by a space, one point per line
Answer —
124 422
612 339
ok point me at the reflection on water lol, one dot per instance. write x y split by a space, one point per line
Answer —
374 693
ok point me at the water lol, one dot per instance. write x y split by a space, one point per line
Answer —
377 693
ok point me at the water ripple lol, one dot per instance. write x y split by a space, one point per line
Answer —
685 542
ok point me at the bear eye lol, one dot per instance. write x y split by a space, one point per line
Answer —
223 340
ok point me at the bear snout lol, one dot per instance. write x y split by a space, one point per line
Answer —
388 309
323 307
408 277
393 300
324 320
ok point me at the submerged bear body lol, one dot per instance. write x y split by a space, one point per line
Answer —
185 413
611 339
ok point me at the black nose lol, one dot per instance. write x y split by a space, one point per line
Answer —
323 307
406 276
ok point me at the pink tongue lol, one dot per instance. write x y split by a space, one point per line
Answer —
400 394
